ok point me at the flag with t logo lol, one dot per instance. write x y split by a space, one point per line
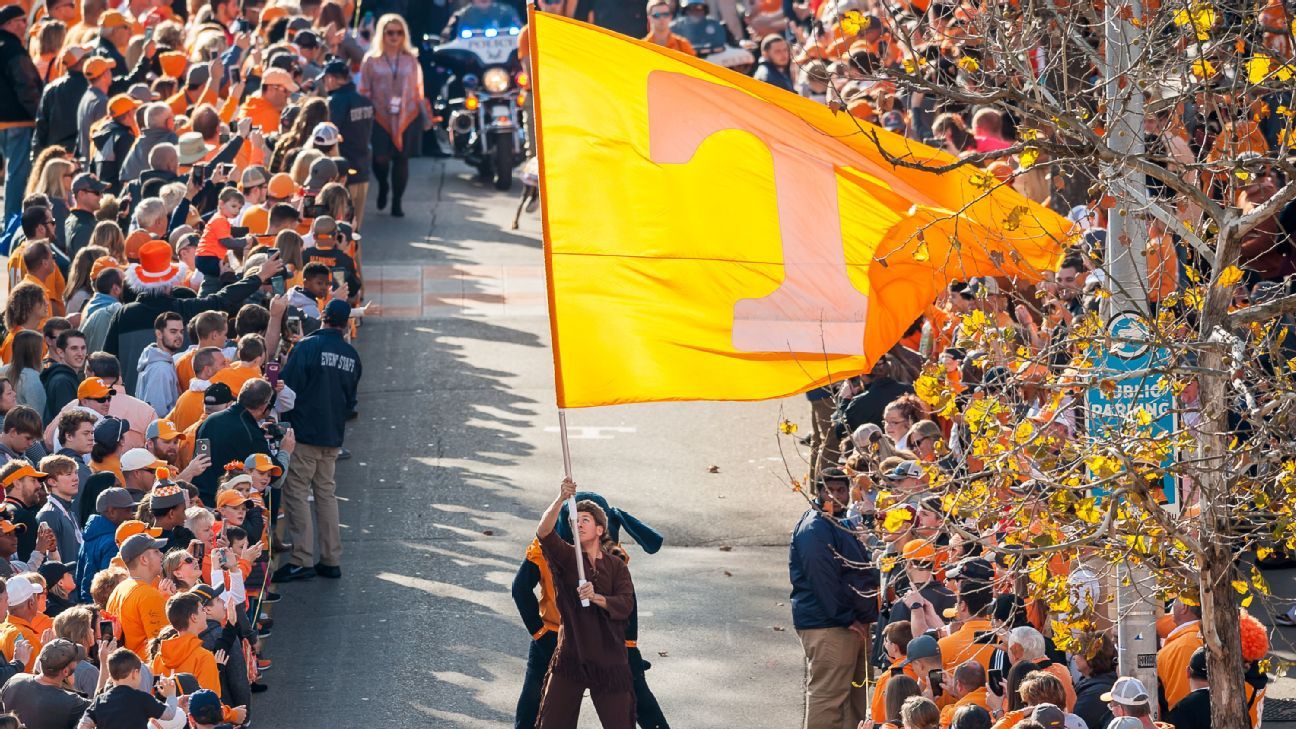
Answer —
711 237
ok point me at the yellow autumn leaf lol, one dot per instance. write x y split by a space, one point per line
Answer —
850 23
1029 156
921 253
1285 72
1230 276
982 180
1142 417
895 520
1086 510
1264 553
1240 586
1258 68
1203 69
787 427
969 64
1246 601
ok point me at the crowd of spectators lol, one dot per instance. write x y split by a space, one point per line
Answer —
184 184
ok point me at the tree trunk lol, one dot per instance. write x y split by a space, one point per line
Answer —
1219 624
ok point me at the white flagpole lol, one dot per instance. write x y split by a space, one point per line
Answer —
571 502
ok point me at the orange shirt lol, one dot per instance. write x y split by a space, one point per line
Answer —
1162 267
188 409
55 302
184 370
8 635
1063 676
28 631
675 43
261 112
110 464
218 229
878 707
1172 660
1013 718
141 609
18 269
977 697
236 374
960 647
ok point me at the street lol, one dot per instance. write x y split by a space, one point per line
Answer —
456 454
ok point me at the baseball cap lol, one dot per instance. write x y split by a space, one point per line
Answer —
893 121
282 186
131 527
205 706
235 481
136 545
230 497
54 571
173 63
95 67
923 646
162 428
1127 691
972 568
1197 664
9 527
326 134
279 77
19 590
122 104
11 12
92 388
112 19
186 239
337 67
24 471
918 550
1050 716
263 463
138 458
254 176
114 498
1126 722
273 13
322 172
983 286
337 311
141 93
905 469
60 653
87 181
218 394
198 75
207 592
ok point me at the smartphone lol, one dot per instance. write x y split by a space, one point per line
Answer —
197 549
278 285
295 327
238 231
236 75
107 630
339 276
198 173
272 373
148 34
935 679
202 447
227 169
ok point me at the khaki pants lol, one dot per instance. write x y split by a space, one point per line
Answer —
835 658
824 445
310 471
359 191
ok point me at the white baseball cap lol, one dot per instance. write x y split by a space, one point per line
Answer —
137 458
19 590
1128 691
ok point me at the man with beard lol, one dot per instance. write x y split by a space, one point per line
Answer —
158 384
24 496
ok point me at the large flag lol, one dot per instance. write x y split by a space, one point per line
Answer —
711 237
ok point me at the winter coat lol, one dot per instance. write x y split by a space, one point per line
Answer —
136 161
56 121
158 385
131 329
78 227
236 687
95 319
1089 705
234 436
827 591
324 370
353 113
30 391
60 383
20 82
97 551
64 525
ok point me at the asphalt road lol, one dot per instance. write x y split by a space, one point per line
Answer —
456 455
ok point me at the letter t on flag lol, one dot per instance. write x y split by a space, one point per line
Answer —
711 237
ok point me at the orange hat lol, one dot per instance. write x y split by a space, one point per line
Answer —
164 429
131 527
262 463
273 13
122 104
112 19
93 388
8 527
23 472
173 63
101 264
96 66
279 77
281 186
230 497
918 550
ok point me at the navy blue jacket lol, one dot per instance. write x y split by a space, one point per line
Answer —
324 371
833 582
353 113
234 435
97 550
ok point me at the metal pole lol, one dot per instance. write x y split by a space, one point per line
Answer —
1126 266
571 502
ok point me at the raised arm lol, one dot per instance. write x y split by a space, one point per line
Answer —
550 518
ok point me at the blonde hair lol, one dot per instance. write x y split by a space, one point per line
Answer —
300 171
108 235
171 563
75 624
918 712
103 584
50 39
197 519
51 181
380 30
37 174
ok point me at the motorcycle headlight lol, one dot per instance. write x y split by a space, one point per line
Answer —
496 80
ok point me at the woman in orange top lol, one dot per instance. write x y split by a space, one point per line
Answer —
392 77
45 51
26 309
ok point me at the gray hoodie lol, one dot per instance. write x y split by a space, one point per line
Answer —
158 384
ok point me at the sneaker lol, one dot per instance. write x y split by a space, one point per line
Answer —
332 572
264 633
265 623
264 664
290 572
343 454
258 688
270 598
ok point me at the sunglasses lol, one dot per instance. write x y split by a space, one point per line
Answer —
659 16
395 33
189 560
105 398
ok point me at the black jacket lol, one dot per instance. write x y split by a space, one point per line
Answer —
123 76
1192 712
324 371
353 113
1089 704
867 406
61 384
56 119
234 436
25 515
131 328
112 142
77 229
20 83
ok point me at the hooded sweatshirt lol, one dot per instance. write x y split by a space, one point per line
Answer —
158 385
60 382
97 550
185 654
96 318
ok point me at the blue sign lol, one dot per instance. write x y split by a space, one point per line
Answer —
1128 363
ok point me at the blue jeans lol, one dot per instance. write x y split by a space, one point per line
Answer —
15 144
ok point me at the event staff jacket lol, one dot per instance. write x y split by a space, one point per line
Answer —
353 114
234 435
131 329
833 583
56 119
20 82
324 371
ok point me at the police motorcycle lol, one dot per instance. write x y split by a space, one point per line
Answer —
710 38
480 89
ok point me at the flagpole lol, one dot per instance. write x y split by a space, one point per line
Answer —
571 502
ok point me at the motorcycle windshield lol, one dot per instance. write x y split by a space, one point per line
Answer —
705 35
478 20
